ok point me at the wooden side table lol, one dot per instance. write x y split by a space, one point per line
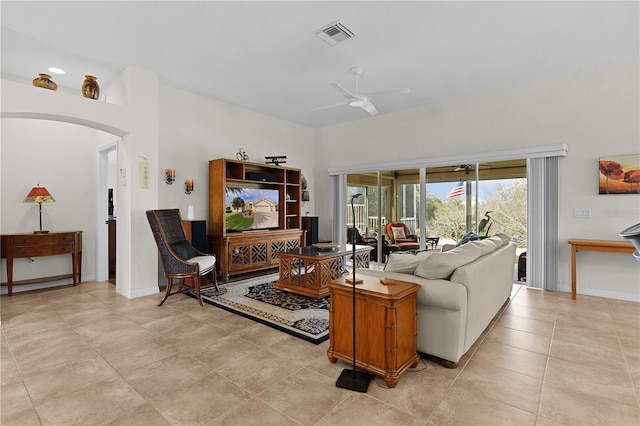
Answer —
386 326
33 245
606 246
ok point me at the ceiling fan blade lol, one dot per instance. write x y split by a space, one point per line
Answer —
343 91
389 92
368 106
329 106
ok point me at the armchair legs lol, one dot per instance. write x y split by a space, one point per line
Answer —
167 291
196 287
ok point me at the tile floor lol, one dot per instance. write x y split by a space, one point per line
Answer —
86 355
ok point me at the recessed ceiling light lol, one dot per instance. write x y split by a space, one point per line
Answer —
56 70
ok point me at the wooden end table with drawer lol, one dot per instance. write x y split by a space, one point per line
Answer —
386 325
42 244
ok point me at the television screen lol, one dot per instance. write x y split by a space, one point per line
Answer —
251 208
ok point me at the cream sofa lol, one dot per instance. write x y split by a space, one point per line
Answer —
462 290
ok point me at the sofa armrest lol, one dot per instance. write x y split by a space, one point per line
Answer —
489 281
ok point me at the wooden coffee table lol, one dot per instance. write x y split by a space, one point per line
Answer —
386 325
307 270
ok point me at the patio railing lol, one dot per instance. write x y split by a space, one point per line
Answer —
365 224
411 224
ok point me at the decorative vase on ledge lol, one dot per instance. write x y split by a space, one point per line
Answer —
90 87
44 81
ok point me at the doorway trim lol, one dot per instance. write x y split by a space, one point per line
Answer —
102 230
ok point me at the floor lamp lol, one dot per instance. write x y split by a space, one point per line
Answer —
350 378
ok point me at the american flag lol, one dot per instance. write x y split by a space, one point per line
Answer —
456 191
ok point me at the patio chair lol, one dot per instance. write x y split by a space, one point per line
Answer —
363 241
180 259
399 235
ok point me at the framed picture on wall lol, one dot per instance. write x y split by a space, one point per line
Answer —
619 174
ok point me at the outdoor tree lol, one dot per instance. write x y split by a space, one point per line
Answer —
433 205
509 211
237 203
449 219
508 207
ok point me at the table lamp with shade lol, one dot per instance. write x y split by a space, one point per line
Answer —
39 194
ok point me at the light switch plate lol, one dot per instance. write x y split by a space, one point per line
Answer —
582 213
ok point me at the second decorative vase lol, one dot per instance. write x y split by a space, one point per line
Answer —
44 81
90 87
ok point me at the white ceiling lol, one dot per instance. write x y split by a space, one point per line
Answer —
263 55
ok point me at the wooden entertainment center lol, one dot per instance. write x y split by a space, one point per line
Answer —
245 250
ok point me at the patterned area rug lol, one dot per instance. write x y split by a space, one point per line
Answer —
256 299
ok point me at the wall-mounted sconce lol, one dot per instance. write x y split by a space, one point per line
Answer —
188 186
171 176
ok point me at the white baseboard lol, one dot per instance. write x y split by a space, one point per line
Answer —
139 293
603 293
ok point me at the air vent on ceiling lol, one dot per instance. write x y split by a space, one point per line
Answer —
334 33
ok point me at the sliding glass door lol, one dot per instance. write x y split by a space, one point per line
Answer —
479 198
496 195
371 209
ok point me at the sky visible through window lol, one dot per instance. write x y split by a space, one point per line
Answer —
488 188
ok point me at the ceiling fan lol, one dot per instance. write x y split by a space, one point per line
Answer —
359 100
468 167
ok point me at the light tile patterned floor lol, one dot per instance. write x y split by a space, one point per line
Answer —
86 355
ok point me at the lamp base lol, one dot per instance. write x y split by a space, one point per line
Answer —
40 232
352 281
354 380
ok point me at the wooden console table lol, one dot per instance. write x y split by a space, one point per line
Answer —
386 326
609 246
34 245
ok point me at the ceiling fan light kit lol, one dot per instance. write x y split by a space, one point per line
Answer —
356 102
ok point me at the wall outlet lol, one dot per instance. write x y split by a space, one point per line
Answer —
581 213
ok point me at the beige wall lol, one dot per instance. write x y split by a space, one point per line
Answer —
195 129
33 152
166 126
135 122
595 114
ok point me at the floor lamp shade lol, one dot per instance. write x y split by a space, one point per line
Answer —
39 194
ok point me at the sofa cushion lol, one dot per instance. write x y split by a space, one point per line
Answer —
398 232
504 237
437 293
442 265
406 262
486 246
206 263
498 240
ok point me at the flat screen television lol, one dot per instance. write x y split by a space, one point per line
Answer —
250 209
